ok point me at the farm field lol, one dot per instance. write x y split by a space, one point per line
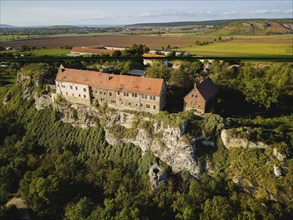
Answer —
49 52
113 40
243 48
238 46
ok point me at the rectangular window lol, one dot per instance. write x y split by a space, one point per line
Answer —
141 105
84 96
75 87
125 94
113 101
84 89
78 95
66 93
147 106
129 103
110 93
154 107
118 93
101 93
70 87
134 95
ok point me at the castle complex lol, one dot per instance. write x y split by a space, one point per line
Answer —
117 91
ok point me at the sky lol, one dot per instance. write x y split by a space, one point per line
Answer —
120 12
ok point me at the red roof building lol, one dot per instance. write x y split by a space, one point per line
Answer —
200 95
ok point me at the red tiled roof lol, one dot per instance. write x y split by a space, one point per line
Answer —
91 50
149 86
207 88
148 55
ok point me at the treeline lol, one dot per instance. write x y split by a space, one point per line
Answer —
252 88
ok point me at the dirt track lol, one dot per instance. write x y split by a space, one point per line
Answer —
108 40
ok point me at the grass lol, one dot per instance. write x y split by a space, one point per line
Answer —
241 49
50 52
4 38
15 37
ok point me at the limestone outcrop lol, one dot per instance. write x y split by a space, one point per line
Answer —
42 101
232 141
157 175
168 143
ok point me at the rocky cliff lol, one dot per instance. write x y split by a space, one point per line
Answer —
167 142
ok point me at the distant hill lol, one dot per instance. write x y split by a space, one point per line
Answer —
256 27
7 26
61 26
182 23
230 27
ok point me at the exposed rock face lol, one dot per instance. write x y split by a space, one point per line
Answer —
76 114
278 155
157 175
230 141
165 142
42 102
277 171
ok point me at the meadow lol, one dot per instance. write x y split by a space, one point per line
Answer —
243 48
49 52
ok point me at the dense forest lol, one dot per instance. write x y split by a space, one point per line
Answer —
66 172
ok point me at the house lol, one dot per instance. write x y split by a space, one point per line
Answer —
200 95
176 65
72 65
116 48
90 51
148 58
117 91
136 72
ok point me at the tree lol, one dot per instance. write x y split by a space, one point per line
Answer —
116 53
261 93
217 208
158 70
80 210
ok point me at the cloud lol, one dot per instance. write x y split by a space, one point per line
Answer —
275 11
169 13
289 11
229 13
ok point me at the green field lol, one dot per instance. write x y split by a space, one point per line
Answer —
49 52
241 49
15 37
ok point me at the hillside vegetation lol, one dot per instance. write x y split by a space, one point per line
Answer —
65 172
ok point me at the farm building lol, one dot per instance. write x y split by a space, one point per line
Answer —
117 91
200 95
90 51
136 72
